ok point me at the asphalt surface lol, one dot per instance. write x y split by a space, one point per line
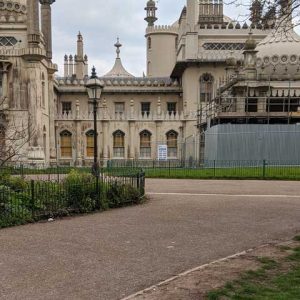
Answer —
113 254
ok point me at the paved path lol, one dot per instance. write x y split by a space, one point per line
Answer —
116 253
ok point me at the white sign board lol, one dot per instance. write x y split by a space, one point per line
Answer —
162 153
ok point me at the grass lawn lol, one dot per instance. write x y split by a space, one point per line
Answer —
226 173
275 280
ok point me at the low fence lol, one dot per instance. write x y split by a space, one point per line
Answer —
27 199
260 169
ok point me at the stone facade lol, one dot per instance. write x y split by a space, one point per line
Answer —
186 63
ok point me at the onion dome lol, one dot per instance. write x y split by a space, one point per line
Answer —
279 52
118 70
151 3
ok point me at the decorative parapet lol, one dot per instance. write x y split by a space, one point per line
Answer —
122 83
232 26
160 29
104 115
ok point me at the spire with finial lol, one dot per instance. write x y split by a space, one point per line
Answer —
94 73
118 45
118 70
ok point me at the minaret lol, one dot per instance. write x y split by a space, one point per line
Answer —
250 57
66 66
46 18
33 20
151 13
80 61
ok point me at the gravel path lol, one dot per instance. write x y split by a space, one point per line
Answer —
116 253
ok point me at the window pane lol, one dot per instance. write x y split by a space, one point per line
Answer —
171 106
120 107
66 144
66 107
172 144
145 152
119 152
145 108
90 145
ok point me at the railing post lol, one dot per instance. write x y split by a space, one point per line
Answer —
169 168
214 168
32 198
97 193
264 168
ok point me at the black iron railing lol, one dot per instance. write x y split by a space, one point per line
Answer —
31 197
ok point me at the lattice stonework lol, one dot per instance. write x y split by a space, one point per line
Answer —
7 41
223 46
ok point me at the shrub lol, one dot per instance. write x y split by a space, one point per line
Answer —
13 208
80 191
121 194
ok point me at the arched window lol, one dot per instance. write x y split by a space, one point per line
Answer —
172 143
206 88
66 144
119 144
43 91
145 144
90 143
149 43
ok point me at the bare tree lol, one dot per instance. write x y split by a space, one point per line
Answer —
267 12
13 135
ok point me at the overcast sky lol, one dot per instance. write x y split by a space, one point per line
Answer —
100 22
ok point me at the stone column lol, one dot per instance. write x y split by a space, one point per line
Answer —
33 23
66 66
105 141
78 161
133 140
46 18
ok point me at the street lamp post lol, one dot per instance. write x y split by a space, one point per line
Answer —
94 88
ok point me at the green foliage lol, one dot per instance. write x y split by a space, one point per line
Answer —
14 208
80 191
23 201
121 194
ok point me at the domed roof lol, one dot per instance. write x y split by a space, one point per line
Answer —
279 52
151 3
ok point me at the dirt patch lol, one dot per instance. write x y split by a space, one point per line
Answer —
194 285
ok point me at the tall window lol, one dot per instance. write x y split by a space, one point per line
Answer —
145 144
171 106
90 143
119 144
66 107
145 107
206 87
1 88
66 144
149 43
172 143
119 108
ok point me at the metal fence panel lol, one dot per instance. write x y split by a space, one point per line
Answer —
232 142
